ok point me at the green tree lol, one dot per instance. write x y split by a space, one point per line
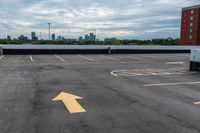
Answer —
116 42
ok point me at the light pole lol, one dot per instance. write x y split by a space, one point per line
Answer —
49 31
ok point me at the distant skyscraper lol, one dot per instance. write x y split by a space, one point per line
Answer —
9 37
33 35
53 37
80 38
23 38
87 38
90 37
59 38
110 39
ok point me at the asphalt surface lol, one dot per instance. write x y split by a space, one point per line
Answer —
121 94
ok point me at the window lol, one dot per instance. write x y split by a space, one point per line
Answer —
191 18
191 24
192 11
190 37
190 30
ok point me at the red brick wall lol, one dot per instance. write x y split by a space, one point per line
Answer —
198 34
185 27
195 27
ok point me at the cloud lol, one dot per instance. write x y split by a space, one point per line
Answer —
113 18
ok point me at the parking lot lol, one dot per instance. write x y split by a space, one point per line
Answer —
130 93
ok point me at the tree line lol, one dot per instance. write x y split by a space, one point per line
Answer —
159 41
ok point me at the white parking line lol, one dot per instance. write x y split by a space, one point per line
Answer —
137 58
168 84
113 73
174 63
111 58
154 74
89 59
143 72
196 103
31 58
1 57
59 58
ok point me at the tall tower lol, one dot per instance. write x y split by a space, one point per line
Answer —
190 26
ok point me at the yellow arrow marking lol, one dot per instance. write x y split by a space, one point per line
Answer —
70 102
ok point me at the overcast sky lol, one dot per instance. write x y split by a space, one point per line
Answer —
112 18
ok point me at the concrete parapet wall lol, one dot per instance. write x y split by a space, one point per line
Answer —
92 49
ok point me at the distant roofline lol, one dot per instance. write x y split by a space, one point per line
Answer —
191 7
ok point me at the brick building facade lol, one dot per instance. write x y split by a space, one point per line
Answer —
190 26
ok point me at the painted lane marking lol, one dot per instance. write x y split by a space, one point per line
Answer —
31 58
59 58
128 73
89 59
113 73
174 63
111 58
152 74
70 102
137 58
196 103
169 84
1 57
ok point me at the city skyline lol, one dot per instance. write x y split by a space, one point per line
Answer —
121 19
54 37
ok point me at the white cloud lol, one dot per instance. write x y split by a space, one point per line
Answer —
127 18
